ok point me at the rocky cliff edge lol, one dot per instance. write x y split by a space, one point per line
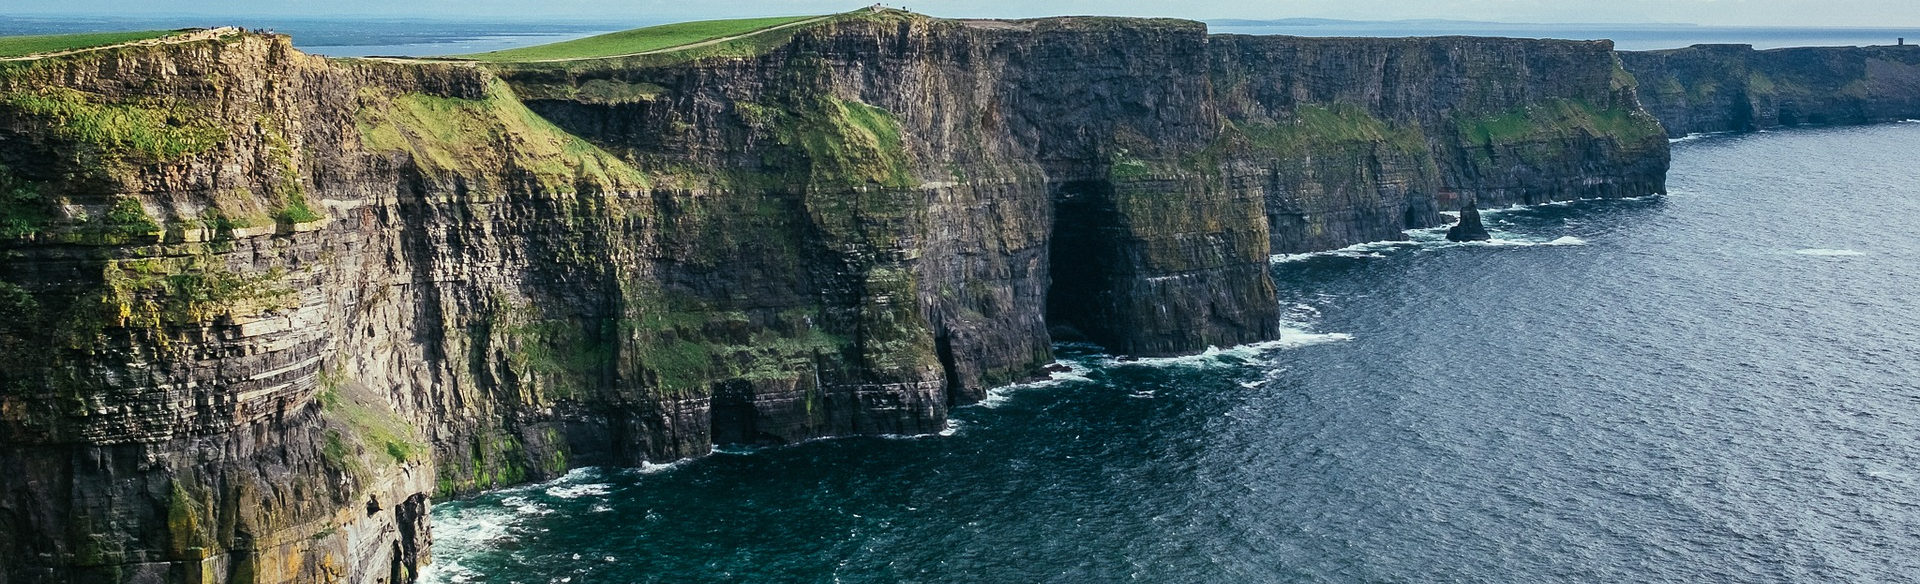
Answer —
258 308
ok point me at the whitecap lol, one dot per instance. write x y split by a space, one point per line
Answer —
647 468
524 506
1293 335
1829 252
578 491
579 482
999 396
1565 240
1369 249
1692 137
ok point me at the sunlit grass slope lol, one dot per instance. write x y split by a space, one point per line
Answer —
638 40
15 46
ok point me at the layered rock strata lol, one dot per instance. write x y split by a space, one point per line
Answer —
1364 138
258 308
1734 88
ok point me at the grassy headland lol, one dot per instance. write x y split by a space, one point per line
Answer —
639 40
17 46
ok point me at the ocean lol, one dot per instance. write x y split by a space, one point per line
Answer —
1714 385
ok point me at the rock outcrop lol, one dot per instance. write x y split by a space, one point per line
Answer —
1734 88
1364 138
1469 227
258 308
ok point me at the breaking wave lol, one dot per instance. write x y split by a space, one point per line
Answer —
1829 252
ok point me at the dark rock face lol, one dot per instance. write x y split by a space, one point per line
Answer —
257 308
1357 140
1469 227
1733 88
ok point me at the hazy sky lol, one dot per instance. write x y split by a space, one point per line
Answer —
1880 13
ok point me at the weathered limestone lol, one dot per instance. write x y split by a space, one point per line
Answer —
1734 88
258 308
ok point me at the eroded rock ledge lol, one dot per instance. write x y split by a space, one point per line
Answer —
257 307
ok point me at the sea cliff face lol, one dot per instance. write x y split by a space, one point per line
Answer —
258 308
1734 88
1364 138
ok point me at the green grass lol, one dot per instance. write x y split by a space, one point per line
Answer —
373 427
638 40
449 134
16 46
1556 117
153 131
1323 126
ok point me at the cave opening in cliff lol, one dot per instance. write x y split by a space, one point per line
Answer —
1085 262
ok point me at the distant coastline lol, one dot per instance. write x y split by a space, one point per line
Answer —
1626 36
353 37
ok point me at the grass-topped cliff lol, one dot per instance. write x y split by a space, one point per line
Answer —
1734 88
278 302
642 40
17 46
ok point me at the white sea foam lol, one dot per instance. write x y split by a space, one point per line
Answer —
948 430
1693 136
1502 242
465 529
525 507
1829 252
1435 237
578 491
473 527
647 468
999 396
1370 249
579 482
1293 335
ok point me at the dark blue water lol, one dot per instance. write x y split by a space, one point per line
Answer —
1718 385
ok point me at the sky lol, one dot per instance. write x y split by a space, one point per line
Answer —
1870 13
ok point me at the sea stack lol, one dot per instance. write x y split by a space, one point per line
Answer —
1469 227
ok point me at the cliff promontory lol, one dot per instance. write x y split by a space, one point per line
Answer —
1734 88
258 308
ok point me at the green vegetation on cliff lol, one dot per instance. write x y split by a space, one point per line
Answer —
640 40
1557 117
15 46
368 424
155 293
1319 126
452 135
23 211
751 44
839 143
153 130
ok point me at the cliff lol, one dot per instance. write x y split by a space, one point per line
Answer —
1365 138
1734 88
258 308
